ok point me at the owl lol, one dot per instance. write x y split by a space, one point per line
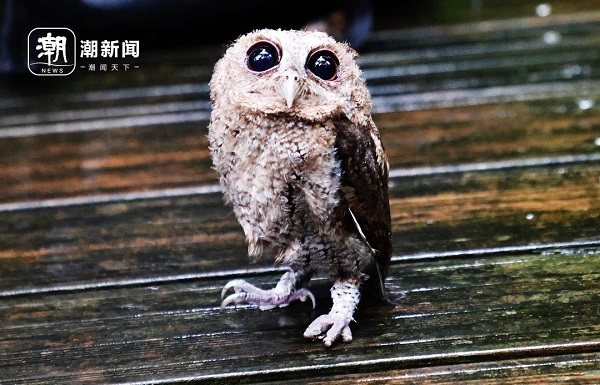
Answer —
302 163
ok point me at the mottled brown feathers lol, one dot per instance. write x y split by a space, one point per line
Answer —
365 189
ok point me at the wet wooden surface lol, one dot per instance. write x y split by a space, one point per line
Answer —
115 243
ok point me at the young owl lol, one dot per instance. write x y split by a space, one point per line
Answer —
302 163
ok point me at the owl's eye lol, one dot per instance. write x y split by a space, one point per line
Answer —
262 56
323 64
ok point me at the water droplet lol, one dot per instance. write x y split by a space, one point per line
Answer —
529 216
585 104
571 71
551 37
543 10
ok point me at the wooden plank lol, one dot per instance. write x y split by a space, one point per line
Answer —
175 237
513 208
580 368
446 312
142 158
488 133
103 162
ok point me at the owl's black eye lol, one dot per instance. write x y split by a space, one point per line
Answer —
323 64
262 56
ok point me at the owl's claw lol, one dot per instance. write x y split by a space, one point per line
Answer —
264 299
335 325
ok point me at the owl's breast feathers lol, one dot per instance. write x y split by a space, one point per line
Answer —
275 171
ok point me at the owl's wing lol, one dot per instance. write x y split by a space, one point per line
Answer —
365 199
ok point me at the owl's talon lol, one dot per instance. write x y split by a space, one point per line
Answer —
233 298
304 294
264 299
231 284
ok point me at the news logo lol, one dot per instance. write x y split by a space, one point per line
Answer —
51 51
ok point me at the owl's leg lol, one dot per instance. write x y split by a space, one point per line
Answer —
336 324
281 295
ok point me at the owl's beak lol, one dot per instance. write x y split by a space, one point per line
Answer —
290 87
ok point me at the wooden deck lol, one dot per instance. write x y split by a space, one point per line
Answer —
115 242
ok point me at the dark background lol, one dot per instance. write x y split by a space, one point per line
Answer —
163 24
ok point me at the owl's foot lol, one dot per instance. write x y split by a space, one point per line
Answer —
336 324
280 296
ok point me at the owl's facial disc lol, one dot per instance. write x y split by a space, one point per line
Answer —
299 74
290 86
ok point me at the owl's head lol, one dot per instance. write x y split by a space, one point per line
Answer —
302 74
